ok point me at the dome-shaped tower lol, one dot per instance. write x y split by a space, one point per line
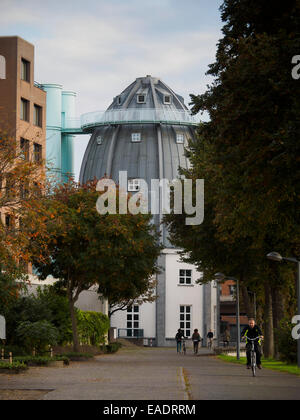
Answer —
144 132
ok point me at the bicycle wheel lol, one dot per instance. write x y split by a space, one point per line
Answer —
253 363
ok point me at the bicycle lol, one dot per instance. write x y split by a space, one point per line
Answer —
253 354
209 343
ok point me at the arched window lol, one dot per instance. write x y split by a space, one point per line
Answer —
2 67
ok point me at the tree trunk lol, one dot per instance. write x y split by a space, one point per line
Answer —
269 332
278 312
247 303
74 325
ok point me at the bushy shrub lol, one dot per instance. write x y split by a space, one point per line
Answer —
287 346
15 350
92 327
14 367
113 347
37 335
76 356
47 305
41 360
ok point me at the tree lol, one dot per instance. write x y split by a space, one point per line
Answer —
20 181
248 152
82 248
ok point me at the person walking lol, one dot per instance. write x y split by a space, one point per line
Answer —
196 339
178 337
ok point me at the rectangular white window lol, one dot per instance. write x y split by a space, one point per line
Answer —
185 320
141 99
136 137
167 99
179 138
134 185
185 277
133 321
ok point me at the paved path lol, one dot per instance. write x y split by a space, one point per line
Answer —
149 374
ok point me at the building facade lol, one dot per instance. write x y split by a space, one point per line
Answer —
144 133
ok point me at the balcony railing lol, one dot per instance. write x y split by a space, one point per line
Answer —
138 116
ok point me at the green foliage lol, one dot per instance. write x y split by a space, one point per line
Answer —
48 305
41 360
37 334
248 154
92 327
113 347
287 345
14 349
74 356
14 367
83 248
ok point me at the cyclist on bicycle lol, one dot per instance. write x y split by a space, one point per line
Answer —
210 336
253 331
178 337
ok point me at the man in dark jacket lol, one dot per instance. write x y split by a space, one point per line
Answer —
179 336
253 331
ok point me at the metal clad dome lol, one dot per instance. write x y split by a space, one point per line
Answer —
150 109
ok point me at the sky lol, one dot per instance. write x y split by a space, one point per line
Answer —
98 47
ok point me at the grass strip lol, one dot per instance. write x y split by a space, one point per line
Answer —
266 363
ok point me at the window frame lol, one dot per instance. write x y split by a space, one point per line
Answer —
25 149
185 317
37 115
140 95
37 153
180 138
136 137
131 182
25 70
167 102
185 277
25 110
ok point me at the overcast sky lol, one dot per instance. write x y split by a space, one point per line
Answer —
98 47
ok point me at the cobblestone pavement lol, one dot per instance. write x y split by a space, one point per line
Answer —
149 374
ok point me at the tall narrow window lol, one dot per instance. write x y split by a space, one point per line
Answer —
133 318
37 115
25 70
24 148
24 190
185 319
24 110
37 149
9 221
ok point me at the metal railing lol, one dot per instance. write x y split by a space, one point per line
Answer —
130 333
138 116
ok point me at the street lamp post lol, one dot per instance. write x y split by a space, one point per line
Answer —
222 277
275 256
